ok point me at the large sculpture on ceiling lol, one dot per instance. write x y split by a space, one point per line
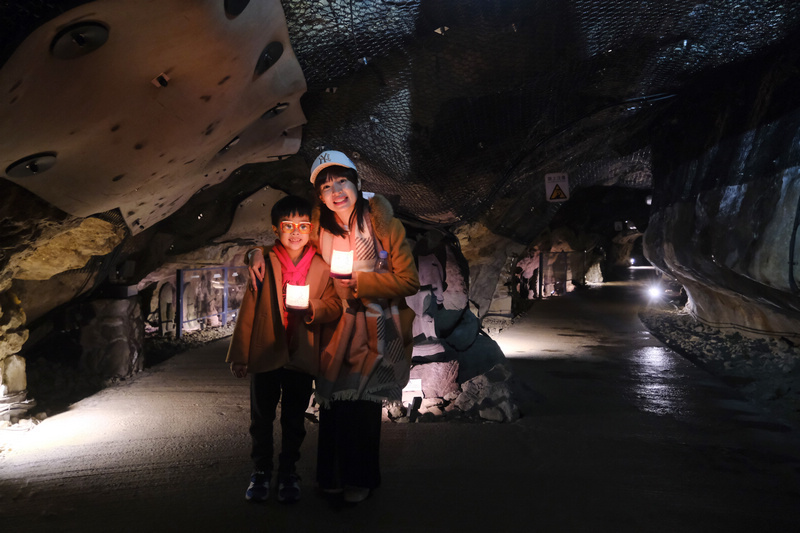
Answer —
136 105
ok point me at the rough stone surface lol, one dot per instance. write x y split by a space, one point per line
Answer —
69 250
725 207
487 254
113 341
13 336
765 369
479 358
12 375
39 297
490 395
456 295
438 379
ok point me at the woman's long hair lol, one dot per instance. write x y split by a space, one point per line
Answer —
327 218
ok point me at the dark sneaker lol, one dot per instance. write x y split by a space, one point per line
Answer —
289 488
258 491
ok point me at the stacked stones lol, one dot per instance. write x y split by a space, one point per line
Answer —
458 372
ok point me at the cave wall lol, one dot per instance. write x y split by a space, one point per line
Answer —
727 201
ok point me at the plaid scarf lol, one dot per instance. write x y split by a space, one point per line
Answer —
365 359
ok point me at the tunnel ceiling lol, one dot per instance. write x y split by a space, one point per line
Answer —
455 109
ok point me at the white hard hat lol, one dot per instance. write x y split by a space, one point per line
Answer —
330 158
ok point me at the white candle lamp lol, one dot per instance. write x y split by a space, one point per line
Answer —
342 264
296 296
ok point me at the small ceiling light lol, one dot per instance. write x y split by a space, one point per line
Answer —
31 165
78 40
162 80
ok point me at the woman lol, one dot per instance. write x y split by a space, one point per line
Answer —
368 360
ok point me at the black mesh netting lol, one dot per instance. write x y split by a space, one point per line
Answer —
456 106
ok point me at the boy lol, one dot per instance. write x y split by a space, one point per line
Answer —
279 347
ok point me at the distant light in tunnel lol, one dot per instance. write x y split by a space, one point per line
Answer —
633 261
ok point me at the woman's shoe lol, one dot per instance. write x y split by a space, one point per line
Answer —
355 494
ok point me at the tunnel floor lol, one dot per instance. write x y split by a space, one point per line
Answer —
618 433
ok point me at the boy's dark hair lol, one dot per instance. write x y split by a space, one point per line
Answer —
327 219
288 206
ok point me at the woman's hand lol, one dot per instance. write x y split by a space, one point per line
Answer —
346 288
257 267
239 370
350 283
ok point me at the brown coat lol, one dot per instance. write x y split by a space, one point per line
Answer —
259 338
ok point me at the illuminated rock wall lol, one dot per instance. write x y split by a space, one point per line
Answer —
12 336
727 207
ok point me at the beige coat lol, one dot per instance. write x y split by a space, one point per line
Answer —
259 338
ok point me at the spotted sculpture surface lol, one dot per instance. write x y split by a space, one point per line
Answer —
135 106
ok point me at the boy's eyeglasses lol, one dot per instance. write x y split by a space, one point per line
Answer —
302 227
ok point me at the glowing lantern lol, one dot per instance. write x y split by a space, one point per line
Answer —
342 264
296 296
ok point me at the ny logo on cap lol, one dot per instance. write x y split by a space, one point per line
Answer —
324 157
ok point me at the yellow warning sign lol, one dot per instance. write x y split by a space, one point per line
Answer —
557 194
556 187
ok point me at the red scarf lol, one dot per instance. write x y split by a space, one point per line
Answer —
294 274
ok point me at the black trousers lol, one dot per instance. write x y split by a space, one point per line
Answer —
349 444
293 389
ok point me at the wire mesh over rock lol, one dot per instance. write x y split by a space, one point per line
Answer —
458 108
